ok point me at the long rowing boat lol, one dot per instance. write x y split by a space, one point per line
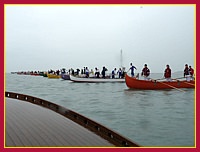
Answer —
95 80
134 83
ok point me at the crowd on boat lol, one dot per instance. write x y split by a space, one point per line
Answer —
188 72
86 73
35 73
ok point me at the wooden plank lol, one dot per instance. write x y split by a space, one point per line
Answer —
31 125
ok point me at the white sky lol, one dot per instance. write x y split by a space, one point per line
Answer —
43 37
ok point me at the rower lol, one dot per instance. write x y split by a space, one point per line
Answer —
167 73
145 72
186 73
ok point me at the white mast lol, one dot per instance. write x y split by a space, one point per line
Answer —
121 59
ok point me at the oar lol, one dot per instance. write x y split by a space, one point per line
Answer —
173 79
169 85
180 78
185 82
172 86
160 79
189 83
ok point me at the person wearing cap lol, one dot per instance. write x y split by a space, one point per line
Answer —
187 73
145 72
167 73
132 69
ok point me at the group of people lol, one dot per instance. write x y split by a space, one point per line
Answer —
188 72
145 71
121 73
85 72
57 72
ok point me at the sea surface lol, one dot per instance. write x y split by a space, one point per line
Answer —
150 118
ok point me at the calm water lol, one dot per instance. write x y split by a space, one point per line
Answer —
150 118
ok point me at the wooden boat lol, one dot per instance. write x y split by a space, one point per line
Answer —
27 117
95 80
134 83
53 76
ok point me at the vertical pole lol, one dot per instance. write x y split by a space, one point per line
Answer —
121 58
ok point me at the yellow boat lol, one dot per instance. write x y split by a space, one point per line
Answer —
53 76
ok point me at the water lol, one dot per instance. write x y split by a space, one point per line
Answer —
150 118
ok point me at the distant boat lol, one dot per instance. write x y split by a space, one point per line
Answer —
35 74
95 80
13 72
65 76
134 83
53 76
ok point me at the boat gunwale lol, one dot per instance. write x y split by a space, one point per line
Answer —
96 80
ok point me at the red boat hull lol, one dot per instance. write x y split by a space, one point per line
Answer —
134 83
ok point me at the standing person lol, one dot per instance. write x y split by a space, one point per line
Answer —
63 71
167 73
97 73
187 73
119 72
92 72
145 72
72 71
57 72
191 71
84 70
103 72
87 72
113 73
132 69
77 71
123 72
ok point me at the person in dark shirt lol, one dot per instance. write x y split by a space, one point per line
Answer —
103 72
145 72
187 73
167 73
97 73
119 72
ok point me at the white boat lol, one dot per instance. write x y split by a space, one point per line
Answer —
95 80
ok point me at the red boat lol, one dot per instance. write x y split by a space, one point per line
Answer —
134 83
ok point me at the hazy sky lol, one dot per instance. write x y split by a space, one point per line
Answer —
43 37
